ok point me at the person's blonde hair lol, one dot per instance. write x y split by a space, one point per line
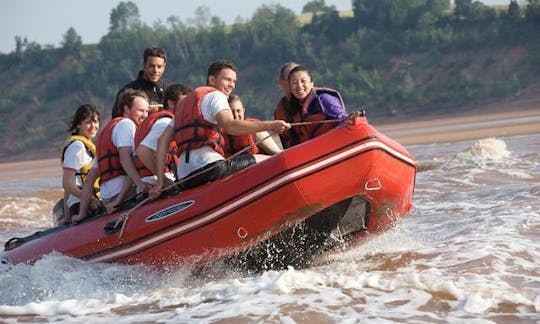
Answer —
287 66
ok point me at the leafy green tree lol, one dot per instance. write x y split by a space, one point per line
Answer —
124 17
272 34
462 8
514 12
202 18
72 42
473 11
532 10
317 6
396 14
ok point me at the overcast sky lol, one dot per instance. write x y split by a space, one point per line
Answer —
46 21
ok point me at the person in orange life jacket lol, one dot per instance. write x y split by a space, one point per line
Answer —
148 133
197 125
266 143
308 103
78 153
114 164
149 80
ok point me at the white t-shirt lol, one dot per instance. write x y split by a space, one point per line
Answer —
151 141
123 135
211 104
75 157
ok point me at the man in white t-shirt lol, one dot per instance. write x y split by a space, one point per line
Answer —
148 133
197 125
114 164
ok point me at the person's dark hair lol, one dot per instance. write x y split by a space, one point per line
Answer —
293 104
84 111
154 51
126 99
299 68
217 66
173 92
284 67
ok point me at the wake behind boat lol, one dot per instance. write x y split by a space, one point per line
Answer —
282 211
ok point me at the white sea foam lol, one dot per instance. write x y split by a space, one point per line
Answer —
481 154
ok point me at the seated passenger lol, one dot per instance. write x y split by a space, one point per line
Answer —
78 153
308 104
260 142
148 133
115 167
283 82
197 124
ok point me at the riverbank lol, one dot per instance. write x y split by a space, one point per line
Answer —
461 128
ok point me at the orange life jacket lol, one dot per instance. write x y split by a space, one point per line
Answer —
109 165
171 159
236 143
192 131
299 134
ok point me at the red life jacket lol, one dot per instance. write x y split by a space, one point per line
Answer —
171 159
291 137
299 134
236 143
192 131
109 165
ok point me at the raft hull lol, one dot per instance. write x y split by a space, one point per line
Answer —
348 181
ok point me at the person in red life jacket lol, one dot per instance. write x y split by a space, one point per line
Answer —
260 142
78 153
149 80
115 167
197 128
309 104
283 80
148 133
283 83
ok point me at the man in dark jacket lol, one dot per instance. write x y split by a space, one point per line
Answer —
149 79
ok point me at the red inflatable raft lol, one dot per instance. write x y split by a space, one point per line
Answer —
282 211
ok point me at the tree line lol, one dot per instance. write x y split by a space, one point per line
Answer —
392 57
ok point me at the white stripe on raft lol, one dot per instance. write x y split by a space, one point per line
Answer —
256 193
